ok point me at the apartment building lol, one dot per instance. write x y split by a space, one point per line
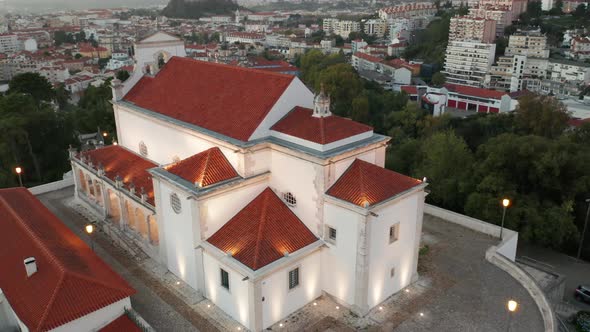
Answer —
9 43
507 73
342 28
472 28
529 43
569 71
407 10
376 27
468 62
502 15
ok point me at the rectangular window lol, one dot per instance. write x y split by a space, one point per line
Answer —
224 279
393 233
330 235
293 278
392 272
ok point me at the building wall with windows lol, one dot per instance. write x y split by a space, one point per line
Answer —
467 63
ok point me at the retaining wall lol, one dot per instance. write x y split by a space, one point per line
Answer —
52 186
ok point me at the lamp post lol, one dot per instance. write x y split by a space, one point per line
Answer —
89 229
512 306
584 229
505 204
18 171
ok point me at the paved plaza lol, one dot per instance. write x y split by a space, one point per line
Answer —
458 290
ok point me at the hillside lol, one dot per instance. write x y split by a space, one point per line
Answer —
199 8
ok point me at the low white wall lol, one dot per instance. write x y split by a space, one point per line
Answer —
96 319
52 186
506 248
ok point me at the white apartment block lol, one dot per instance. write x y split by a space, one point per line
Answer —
244 37
507 73
529 43
569 71
468 62
472 28
376 27
408 10
516 7
342 28
9 43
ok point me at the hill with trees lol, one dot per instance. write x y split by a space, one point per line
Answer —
199 8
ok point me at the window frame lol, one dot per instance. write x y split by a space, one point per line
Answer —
173 198
221 272
327 236
298 269
393 238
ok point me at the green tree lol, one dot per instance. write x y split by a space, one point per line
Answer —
541 115
438 79
360 109
446 162
122 75
34 84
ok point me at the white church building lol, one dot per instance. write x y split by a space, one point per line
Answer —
244 185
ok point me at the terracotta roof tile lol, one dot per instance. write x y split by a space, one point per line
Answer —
121 324
474 91
262 232
229 100
205 168
300 123
71 280
364 182
132 168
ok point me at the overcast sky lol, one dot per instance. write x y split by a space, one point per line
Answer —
77 4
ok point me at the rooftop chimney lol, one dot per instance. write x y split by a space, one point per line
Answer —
30 266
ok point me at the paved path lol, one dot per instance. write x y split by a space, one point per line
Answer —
161 308
576 272
476 300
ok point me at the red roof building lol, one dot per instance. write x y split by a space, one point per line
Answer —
204 169
262 232
365 184
232 101
70 281
302 124
131 168
121 324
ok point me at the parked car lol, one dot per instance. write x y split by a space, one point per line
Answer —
582 293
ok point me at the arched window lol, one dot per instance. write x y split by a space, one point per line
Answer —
82 178
143 150
289 199
141 223
175 203
90 186
114 208
98 190
130 215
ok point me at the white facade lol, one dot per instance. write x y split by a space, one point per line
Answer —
467 62
9 43
361 268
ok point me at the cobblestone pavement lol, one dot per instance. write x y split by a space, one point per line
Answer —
161 307
458 290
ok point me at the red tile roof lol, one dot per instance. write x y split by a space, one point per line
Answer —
367 57
205 168
121 324
364 182
300 123
71 280
229 100
473 91
262 232
132 168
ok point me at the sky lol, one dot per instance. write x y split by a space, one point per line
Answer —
41 5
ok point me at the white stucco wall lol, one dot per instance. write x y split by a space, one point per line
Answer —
339 260
304 180
97 319
182 234
279 300
234 302
297 94
170 140
399 255
217 210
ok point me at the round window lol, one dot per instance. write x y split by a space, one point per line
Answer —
175 203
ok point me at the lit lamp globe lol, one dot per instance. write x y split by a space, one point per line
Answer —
505 202
512 305
18 170
89 229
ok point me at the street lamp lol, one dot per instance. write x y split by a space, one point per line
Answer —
505 205
512 306
584 230
89 229
18 171
105 134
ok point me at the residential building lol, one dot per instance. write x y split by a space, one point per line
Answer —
507 73
580 48
52 280
251 189
407 10
530 43
244 37
502 15
516 7
467 62
569 71
119 60
472 29
376 27
9 43
342 28
54 74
